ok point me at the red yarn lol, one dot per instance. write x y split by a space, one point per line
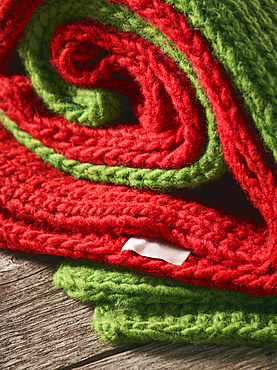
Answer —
13 12
45 211
135 57
168 100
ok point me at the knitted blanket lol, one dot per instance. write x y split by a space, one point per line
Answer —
200 79
131 307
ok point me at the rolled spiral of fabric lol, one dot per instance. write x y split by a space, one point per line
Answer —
201 81
163 147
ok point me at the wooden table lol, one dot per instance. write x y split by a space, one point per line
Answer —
41 328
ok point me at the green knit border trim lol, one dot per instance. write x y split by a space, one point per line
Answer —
137 178
138 307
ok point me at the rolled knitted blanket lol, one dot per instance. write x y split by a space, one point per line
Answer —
147 94
131 307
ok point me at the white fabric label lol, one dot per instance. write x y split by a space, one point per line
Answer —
157 248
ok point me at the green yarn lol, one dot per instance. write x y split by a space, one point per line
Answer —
132 307
137 178
243 36
90 107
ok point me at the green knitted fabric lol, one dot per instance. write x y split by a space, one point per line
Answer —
243 37
131 307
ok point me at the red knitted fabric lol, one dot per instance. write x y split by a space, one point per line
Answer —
133 144
44 210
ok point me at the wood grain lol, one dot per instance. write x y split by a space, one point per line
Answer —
41 328
196 357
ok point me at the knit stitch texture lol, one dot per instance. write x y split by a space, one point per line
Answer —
131 307
200 79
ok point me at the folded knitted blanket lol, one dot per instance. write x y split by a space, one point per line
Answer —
200 79
131 307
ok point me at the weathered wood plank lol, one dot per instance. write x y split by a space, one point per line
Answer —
15 266
194 357
41 328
